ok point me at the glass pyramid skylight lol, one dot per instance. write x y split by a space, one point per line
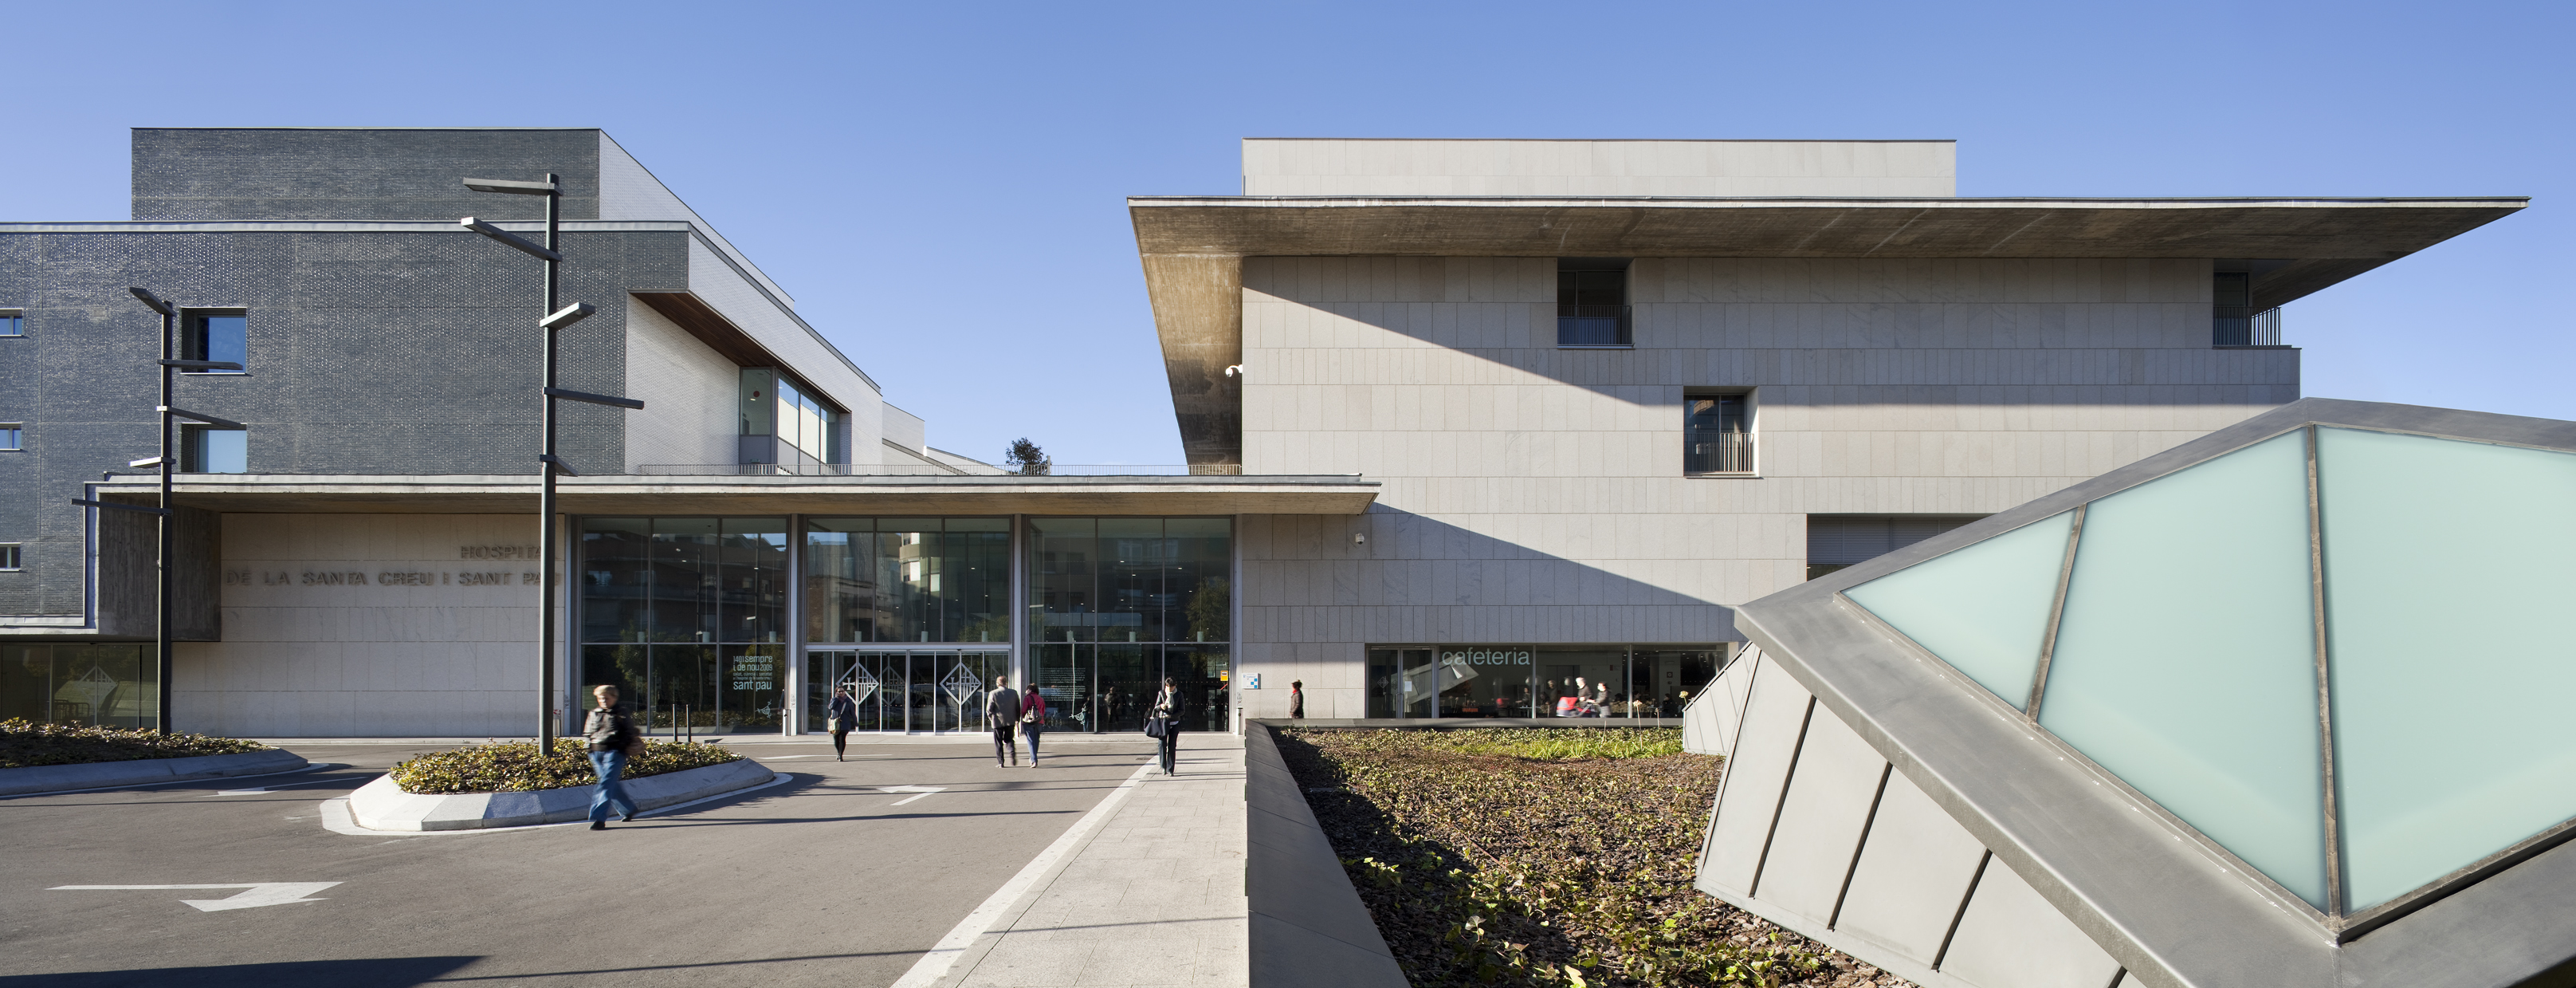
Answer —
2184 655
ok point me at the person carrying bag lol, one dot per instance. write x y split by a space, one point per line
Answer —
1033 714
1164 723
613 740
838 720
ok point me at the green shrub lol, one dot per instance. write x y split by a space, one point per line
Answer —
1546 744
24 743
515 766
1543 858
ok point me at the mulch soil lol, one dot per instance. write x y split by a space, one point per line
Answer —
1486 869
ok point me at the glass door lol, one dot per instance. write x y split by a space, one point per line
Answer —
1203 672
1063 673
1127 680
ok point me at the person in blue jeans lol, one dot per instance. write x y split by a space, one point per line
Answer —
612 737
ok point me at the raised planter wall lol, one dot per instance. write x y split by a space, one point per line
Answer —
1308 925
382 805
100 775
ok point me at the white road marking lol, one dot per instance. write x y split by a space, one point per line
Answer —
923 790
934 965
252 896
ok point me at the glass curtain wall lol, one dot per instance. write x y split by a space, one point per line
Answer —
1118 604
687 617
1538 680
907 580
94 684
788 428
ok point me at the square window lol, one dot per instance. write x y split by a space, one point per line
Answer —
13 437
208 449
1717 432
13 322
1592 302
215 334
10 557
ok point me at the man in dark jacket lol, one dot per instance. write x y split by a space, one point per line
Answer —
612 737
1002 710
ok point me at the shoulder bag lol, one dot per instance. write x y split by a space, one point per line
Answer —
1156 727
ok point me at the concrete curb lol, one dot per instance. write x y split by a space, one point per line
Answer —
38 779
381 805
1307 925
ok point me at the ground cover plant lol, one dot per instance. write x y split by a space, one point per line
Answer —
1543 856
515 766
25 743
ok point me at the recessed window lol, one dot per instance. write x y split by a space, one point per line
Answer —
13 437
215 334
1837 541
1717 432
11 560
209 449
1592 302
13 322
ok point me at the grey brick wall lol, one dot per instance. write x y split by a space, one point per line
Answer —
347 174
383 353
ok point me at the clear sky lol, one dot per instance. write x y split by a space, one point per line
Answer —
941 185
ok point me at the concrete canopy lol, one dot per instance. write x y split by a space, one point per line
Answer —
1192 248
2165 899
648 495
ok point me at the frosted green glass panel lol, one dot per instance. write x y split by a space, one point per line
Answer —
2186 658
2447 593
1982 609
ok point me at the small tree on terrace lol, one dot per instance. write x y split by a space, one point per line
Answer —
1026 459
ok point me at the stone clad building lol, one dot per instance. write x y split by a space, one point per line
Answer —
1466 422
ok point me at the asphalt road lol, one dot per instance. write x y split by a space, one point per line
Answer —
822 880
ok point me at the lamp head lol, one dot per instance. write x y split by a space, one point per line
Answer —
153 301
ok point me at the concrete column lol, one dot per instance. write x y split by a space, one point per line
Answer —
791 680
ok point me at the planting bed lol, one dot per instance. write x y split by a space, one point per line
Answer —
1560 857
25 744
515 766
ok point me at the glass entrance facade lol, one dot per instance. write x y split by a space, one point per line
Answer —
689 618
1538 680
911 691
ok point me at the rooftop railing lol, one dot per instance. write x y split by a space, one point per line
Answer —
913 470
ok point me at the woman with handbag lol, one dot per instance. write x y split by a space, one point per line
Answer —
1032 717
843 714
613 738
1164 724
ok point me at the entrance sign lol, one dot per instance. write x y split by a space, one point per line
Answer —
252 896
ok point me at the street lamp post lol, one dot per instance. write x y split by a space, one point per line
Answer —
553 320
161 536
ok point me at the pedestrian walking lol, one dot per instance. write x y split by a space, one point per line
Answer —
1296 699
1164 723
613 738
1002 710
838 720
1033 714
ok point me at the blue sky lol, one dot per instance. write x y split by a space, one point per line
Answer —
941 186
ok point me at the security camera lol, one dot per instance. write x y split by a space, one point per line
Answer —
1234 371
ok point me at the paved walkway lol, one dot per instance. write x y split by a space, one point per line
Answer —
1154 896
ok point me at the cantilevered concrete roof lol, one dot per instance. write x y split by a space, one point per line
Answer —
1193 246
971 495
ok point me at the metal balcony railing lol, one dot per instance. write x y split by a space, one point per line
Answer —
2238 325
1593 325
1719 452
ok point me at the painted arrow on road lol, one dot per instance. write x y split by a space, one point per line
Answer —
923 790
252 896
